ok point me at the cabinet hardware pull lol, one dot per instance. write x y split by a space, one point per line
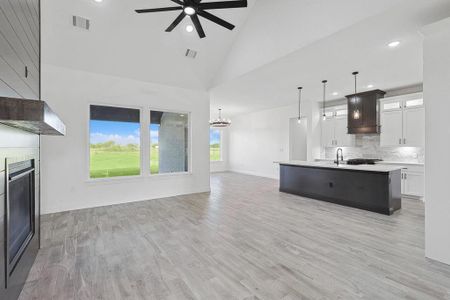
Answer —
399 141
404 141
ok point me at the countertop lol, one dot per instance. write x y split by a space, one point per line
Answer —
330 165
383 162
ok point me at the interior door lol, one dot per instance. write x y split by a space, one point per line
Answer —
414 127
391 128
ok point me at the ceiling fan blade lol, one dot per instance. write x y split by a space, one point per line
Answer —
178 2
223 4
215 19
198 26
149 10
176 22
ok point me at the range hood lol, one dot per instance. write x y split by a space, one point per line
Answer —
364 112
30 115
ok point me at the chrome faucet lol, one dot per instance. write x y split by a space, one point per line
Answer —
339 150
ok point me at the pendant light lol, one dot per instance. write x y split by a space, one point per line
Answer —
219 122
299 119
324 116
356 113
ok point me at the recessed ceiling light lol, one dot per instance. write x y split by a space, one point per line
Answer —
335 93
98 1
370 86
189 28
394 44
189 10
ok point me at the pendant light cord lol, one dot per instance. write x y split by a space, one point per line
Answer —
299 102
324 95
356 78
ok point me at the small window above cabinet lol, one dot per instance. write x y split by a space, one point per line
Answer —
334 128
403 121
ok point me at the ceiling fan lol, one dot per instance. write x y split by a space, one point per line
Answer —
195 8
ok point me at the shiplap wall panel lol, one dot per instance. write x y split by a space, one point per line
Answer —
2 182
7 91
28 11
13 32
14 62
13 80
19 46
26 25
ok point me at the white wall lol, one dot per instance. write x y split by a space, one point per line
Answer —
222 166
260 138
437 160
65 184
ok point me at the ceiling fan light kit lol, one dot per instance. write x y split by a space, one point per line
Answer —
194 9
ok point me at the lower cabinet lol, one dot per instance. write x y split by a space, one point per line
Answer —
413 183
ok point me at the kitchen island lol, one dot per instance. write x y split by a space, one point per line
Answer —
375 188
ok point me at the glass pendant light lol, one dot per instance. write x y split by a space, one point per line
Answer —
324 116
356 114
299 119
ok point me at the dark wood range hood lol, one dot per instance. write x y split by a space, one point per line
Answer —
30 115
364 112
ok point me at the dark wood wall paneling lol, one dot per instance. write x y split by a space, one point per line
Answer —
19 48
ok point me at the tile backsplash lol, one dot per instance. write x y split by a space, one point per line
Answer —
368 146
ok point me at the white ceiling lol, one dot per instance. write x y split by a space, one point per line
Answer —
126 44
276 46
252 80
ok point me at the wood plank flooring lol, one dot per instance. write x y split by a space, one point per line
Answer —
245 240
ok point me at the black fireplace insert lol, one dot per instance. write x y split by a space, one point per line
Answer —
20 211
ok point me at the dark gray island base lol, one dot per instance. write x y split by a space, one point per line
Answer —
373 188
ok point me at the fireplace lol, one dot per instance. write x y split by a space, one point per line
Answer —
20 212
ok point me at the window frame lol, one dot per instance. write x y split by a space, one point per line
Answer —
189 144
145 144
221 145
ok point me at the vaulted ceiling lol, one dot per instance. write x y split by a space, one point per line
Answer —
266 73
276 46
123 43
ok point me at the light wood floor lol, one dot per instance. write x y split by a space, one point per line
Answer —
245 240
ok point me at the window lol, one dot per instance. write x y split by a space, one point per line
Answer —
114 142
215 144
169 142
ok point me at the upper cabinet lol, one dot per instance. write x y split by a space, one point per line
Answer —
403 121
19 49
334 128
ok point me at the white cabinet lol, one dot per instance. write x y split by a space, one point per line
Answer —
334 128
413 181
328 132
403 121
413 184
414 127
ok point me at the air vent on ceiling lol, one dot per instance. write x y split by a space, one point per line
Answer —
191 53
81 22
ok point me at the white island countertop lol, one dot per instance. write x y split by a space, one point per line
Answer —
331 165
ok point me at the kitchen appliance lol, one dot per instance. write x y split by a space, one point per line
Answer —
363 161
